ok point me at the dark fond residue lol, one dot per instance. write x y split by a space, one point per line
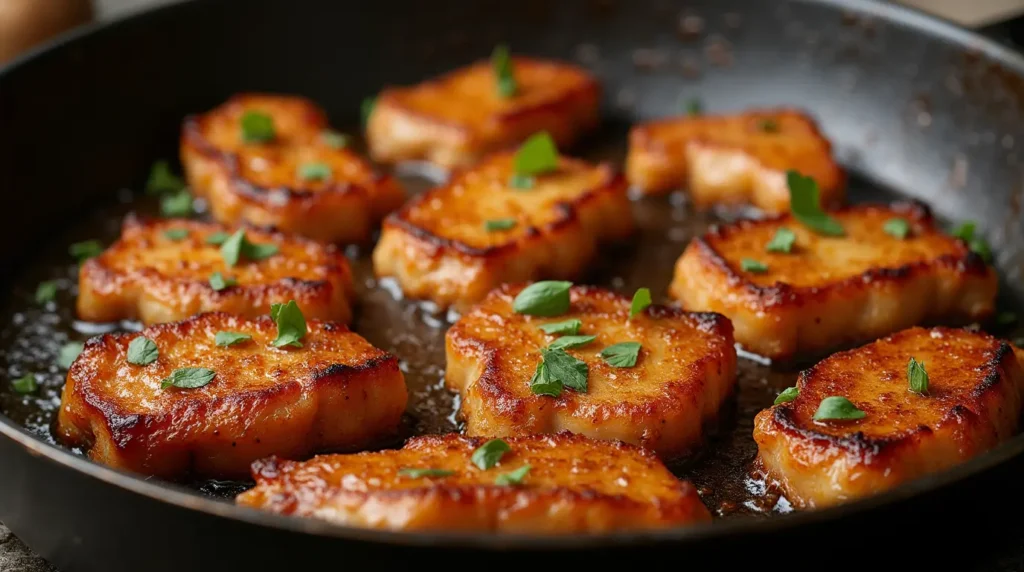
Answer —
32 335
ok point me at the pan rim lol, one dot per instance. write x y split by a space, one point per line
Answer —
187 499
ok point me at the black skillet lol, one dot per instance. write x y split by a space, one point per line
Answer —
915 106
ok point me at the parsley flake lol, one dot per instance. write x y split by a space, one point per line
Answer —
805 204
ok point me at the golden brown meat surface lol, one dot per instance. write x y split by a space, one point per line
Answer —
972 403
456 119
298 181
686 368
573 484
733 159
160 271
336 392
833 291
439 246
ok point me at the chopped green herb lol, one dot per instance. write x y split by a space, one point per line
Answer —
421 473
622 354
142 351
568 342
565 368
257 127
543 384
218 238
805 204
188 378
568 327
366 109
314 171
917 376
512 477
291 324
46 291
966 231
177 204
25 384
980 247
238 246
69 353
488 454
694 107
641 300
225 339
521 182
896 228
499 224
176 234
787 395
544 298
219 282
783 241
751 265
837 408
537 155
1006 318
334 139
85 250
504 76
162 180
768 125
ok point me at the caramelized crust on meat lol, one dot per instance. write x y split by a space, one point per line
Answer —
733 159
335 392
437 246
686 370
574 485
834 291
456 119
973 403
149 276
260 183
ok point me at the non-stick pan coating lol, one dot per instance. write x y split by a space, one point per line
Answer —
912 106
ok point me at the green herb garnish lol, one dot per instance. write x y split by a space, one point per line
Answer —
488 454
568 342
420 473
314 171
641 300
142 351
837 408
46 291
333 139
543 384
219 282
291 324
504 76
225 339
162 180
69 353
565 368
521 182
545 298
537 155
177 204
566 327
257 127
768 125
694 107
499 224
176 234
805 204
366 109
85 250
512 477
787 395
896 228
783 241
917 376
25 384
751 265
966 231
238 246
188 378
218 238
622 354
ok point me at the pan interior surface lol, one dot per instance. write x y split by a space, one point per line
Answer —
911 110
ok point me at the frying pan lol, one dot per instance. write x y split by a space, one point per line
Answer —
912 105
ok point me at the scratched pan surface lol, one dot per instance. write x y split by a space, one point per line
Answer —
915 108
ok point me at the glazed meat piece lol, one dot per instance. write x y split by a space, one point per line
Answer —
822 454
455 243
654 379
542 484
733 159
456 119
831 291
273 161
167 270
185 404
